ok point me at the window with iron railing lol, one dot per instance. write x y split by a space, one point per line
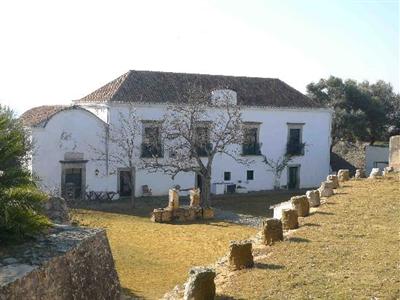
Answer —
251 149
295 145
250 145
151 150
151 145
295 148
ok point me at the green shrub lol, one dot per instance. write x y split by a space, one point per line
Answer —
20 201
20 213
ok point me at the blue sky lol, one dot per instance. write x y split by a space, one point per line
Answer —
52 52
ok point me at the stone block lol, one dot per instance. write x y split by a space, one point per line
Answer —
67 263
208 213
240 255
56 209
300 203
179 214
200 285
334 179
194 196
191 214
198 211
173 201
156 216
272 231
360 173
387 170
375 172
290 219
313 198
326 189
343 175
166 215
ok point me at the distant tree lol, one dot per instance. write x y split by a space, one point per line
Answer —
363 111
194 131
123 150
20 201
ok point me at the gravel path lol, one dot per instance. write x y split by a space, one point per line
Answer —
241 219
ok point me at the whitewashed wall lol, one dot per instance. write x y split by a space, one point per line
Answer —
85 129
376 157
72 130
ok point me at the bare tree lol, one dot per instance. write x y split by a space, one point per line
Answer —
121 146
195 129
276 167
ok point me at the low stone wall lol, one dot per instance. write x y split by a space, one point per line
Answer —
68 263
174 212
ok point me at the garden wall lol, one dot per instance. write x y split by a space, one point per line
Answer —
68 263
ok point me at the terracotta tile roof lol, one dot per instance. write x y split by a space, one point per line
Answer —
40 114
161 87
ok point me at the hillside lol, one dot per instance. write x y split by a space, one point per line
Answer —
348 249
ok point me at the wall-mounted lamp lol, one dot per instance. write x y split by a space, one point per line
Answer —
96 172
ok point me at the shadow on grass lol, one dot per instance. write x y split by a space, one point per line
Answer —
143 206
225 297
268 266
321 213
341 193
129 293
330 203
255 204
298 240
311 225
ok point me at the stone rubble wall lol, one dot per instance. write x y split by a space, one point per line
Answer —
68 263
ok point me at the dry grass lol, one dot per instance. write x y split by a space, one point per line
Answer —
152 258
348 249
255 204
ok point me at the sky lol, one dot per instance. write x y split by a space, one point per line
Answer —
52 52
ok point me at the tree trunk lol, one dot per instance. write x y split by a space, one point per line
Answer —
205 191
132 184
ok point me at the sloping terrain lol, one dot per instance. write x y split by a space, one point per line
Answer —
347 249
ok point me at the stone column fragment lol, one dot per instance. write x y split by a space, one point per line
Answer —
343 175
326 189
272 231
313 198
290 219
240 255
334 179
200 285
300 203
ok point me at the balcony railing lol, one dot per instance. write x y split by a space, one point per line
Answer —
151 150
295 149
251 149
204 149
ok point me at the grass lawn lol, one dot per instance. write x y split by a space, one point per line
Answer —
348 249
255 204
152 258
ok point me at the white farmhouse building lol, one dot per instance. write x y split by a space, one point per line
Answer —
276 114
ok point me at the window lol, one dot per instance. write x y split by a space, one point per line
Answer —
250 175
294 143
202 144
251 145
151 146
227 176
